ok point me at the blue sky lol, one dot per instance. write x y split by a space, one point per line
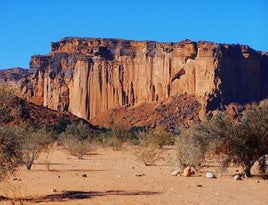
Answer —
28 26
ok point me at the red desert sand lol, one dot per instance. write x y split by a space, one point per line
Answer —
117 177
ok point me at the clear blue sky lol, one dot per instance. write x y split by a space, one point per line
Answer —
28 26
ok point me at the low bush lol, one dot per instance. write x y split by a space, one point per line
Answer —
113 141
77 147
148 154
151 143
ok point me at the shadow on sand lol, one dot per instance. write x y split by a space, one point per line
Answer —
80 195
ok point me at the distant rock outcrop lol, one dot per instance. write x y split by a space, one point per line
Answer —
13 75
89 76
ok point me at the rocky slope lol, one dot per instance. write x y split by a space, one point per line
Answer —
171 114
23 113
89 76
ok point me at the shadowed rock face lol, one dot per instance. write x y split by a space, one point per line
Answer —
88 76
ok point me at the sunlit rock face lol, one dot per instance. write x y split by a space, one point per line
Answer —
88 76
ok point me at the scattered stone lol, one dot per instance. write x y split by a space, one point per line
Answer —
84 175
58 176
199 185
139 175
258 181
16 179
189 171
176 172
210 175
237 177
53 190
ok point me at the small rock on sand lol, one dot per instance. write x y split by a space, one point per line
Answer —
210 175
189 171
175 172
139 175
237 177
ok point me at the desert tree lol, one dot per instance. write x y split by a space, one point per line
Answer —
254 126
7 99
11 151
188 149
243 142
35 141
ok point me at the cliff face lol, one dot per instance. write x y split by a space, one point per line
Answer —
89 76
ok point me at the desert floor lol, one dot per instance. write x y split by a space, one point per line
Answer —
117 177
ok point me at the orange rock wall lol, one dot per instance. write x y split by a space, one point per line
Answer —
89 76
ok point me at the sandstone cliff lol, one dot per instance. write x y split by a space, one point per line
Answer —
88 76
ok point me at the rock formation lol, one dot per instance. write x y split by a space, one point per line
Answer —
171 114
89 76
26 114
12 75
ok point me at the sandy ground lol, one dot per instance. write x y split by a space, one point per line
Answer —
117 177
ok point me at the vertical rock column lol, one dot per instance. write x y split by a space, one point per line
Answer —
79 90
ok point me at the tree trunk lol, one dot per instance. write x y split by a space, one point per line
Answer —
262 164
29 164
246 172
30 161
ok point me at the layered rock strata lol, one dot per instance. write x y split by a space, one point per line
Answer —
89 76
